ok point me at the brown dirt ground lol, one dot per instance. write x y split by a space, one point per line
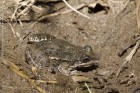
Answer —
102 32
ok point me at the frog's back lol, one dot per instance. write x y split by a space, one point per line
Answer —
61 49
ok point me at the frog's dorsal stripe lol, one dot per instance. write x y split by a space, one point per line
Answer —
39 38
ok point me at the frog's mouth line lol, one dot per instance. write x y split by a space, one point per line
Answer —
85 65
64 60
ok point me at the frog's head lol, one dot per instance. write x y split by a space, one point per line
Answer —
87 60
87 56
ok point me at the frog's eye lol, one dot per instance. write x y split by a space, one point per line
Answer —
85 59
88 48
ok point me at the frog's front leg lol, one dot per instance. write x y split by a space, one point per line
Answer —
64 69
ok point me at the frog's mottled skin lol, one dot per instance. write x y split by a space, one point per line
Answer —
54 52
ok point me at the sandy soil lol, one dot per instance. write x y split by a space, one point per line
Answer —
103 32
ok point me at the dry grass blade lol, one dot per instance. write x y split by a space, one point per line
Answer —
128 58
75 9
88 88
48 82
80 78
17 70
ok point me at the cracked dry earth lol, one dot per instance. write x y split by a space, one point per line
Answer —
104 32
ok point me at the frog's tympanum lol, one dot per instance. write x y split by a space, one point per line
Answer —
44 50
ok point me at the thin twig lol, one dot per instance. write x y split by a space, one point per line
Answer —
60 13
128 58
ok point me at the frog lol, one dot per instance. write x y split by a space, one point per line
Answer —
45 50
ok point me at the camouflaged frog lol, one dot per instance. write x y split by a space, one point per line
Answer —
44 50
